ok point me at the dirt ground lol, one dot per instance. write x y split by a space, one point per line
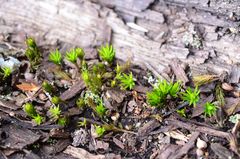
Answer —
175 40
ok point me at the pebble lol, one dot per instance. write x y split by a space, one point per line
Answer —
201 144
199 152
115 116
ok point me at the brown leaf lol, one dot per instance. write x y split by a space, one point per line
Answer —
27 87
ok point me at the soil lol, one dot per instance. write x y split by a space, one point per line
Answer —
180 43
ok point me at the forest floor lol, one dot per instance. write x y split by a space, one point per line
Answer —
193 46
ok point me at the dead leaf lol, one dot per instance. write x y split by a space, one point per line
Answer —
27 87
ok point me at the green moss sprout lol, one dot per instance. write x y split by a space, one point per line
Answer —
38 119
99 130
55 57
6 72
30 110
72 56
107 53
127 81
191 96
101 109
55 112
158 95
32 52
47 87
209 109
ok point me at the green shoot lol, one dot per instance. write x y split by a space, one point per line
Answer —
80 103
32 52
99 130
55 57
80 53
47 87
55 112
83 123
100 109
56 100
85 77
164 87
182 112
127 81
30 110
209 109
154 98
6 71
107 53
38 119
72 56
62 121
158 95
175 88
191 96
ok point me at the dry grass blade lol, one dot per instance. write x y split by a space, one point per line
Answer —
27 87
204 79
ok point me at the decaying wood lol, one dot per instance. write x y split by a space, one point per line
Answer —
148 127
221 151
73 91
83 154
184 150
17 138
202 129
72 21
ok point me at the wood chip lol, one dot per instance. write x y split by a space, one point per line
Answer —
80 153
148 127
18 138
235 74
179 71
9 105
73 91
184 150
221 151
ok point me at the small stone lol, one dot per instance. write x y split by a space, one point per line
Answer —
227 87
236 94
199 152
115 116
201 144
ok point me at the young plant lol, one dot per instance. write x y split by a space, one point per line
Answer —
80 103
100 109
127 81
99 130
175 88
47 87
56 100
55 112
155 98
32 52
6 71
83 123
72 56
62 121
30 110
107 53
80 53
55 57
191 96
158 95
182 112
38 119
209 109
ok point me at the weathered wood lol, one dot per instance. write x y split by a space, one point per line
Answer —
87 24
